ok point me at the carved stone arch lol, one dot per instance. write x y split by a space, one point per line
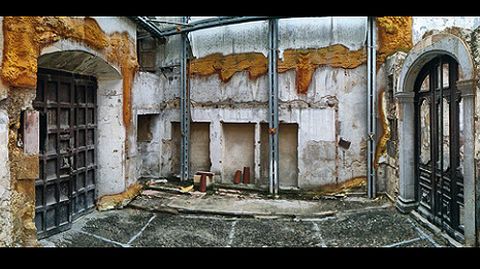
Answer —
422 53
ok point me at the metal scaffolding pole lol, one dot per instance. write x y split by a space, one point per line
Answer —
371 105
273 107
184 109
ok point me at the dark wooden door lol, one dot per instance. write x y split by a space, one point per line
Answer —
439 160
65 188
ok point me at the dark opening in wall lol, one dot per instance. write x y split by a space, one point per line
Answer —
147 47
144 128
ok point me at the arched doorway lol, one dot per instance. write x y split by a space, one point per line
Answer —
78 102
439 145
426 59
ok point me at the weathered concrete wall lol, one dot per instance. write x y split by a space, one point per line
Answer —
111 137
148 164
147 100
5 213
231 39
5 189
148 93
426 25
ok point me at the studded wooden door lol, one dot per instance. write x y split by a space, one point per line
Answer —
65 188
439 145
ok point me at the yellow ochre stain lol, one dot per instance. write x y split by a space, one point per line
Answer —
25 37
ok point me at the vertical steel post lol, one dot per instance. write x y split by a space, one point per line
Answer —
371 105
273 107
184 108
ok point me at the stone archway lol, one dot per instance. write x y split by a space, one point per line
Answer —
111 151
109 133
421 53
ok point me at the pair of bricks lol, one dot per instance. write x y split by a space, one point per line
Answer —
246 176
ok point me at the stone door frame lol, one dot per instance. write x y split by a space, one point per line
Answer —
421 53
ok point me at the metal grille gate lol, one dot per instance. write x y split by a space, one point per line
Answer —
65 189
438 160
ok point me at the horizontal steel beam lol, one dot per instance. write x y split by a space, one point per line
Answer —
210 23
149 26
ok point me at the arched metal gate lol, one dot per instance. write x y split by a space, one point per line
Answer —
438 145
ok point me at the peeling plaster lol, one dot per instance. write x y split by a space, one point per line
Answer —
303 61
394 34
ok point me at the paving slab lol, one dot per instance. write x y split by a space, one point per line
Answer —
356 223
175 231
76 239
117 225
373 228
275 233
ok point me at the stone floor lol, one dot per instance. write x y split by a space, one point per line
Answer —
353 222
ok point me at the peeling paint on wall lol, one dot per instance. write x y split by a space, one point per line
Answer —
303 61
394 34
227 65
